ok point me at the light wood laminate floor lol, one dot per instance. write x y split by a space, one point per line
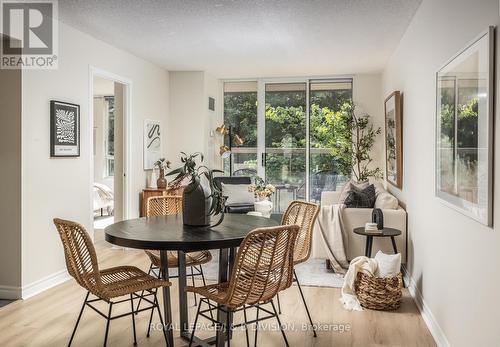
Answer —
47 319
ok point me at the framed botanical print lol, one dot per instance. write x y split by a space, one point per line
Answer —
393 140
464 129
152 143
64 129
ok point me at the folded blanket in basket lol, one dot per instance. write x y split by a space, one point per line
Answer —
383 265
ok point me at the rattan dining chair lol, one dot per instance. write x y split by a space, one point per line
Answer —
304 215
263 266
108 284
170 205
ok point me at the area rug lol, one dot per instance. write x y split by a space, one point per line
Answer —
311 273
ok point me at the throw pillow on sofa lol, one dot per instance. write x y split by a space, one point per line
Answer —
385 200
237 194
360 198
348 187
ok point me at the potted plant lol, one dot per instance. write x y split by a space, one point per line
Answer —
199 201
262 193
162 164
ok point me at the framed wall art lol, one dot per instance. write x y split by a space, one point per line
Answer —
464 129
64 129
152 143
393 140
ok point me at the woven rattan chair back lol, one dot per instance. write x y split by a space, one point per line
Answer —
263 265
163 205
304 215
79 253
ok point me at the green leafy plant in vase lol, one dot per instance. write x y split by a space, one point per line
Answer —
199 201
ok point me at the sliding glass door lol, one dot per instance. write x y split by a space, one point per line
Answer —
326 97
285 141
287 134
240 117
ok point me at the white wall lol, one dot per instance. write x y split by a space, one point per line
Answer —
190 120
367 93
61 187
453 259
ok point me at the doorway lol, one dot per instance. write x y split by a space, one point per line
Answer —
109 109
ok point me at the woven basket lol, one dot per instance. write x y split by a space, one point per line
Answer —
379 293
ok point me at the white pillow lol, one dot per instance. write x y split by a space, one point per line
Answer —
389 265
237 194
386 200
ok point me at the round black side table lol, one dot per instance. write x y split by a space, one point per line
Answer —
386 232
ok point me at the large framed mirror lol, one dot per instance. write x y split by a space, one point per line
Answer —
393 140
464 129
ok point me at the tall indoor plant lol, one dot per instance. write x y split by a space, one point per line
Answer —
355 137
199 201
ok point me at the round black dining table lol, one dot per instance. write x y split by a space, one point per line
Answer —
168 233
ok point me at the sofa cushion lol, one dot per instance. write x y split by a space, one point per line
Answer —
385 200
237 194
348 187
361 198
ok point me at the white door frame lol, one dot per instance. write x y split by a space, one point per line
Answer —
127 119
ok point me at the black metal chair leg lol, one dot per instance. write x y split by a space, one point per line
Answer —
304 301
161 320
151 315
279 324
133 318
228 328
256 327
107 324
192 281
205 284
194 326
246 325
279 304
142 293
78 320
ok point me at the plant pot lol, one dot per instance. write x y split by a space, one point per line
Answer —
195 206
264 206
161 182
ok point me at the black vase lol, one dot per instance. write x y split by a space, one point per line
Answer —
195 206
378 217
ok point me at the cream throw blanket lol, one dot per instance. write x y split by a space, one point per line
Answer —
364 264
329 226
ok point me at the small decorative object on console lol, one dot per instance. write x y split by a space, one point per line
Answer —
162 164
378 218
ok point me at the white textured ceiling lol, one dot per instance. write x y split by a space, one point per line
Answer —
252 38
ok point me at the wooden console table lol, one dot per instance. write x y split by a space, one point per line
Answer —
149 192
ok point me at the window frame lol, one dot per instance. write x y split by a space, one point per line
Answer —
261 91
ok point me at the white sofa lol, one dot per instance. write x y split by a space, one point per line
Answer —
357 217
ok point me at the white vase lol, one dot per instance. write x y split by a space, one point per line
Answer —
264 206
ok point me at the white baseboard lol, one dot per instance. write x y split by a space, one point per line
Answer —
44 284
10 292
425 312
